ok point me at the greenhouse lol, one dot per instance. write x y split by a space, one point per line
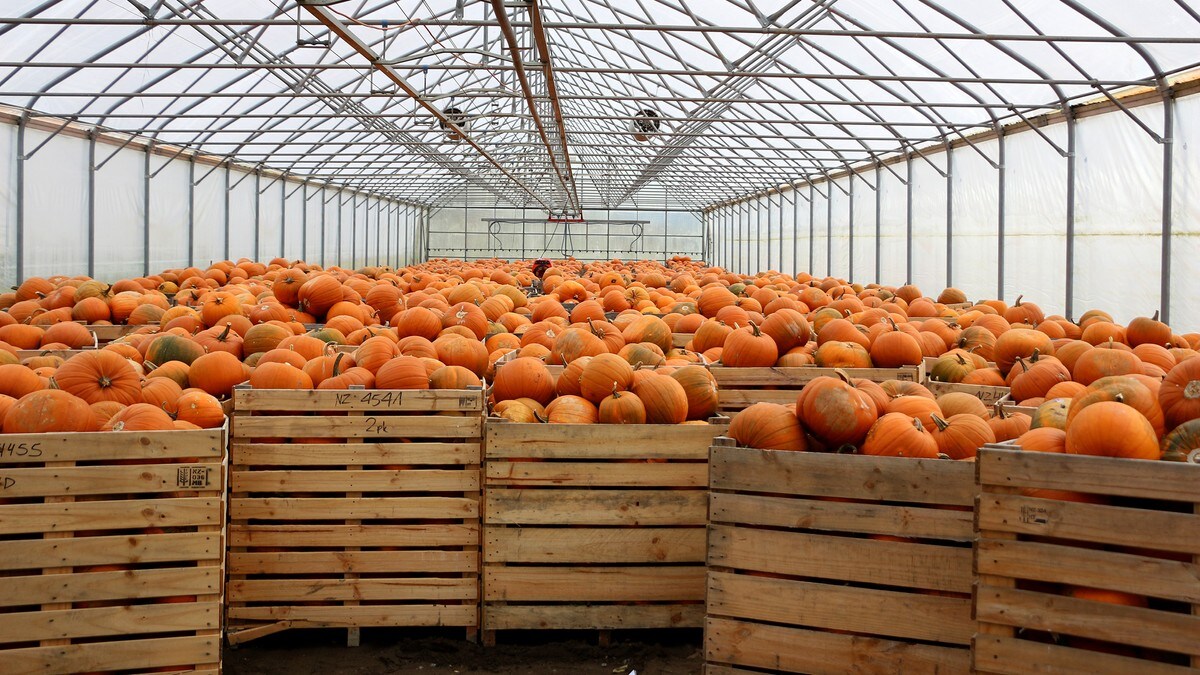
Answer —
390 296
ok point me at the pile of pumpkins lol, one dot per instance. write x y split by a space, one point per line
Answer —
446 324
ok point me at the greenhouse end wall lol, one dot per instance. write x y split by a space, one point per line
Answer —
143 210
1118 224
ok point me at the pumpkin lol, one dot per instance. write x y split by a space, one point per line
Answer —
842 355
918 407
960 436
951 368
1052 413
1007 426
664 398
49 410
526 377
173 348
140 417
217 373
318 294
103 412
1178 395
1147 330
1023 342
572 410
898 435
1126 390
17 380
1033 378
833 410
895 348
700 388
163 393
748 348
1097 363
100 376
453 377
601 374
200 408
217 306
622 407
1043 439
515 411
768 426
401 372
279 376
957 402
788 328
466 315
374 352
69 333
1111 429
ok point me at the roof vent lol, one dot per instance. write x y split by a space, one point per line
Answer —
646 122
459 118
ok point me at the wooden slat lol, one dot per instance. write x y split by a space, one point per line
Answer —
597 474
429 480
898 479
118 585
1143 627
111 479
861 610
97 446
365 426
345 454
359 562
1089 567
593 545
989 395
1010 656
593 584
123 549
783 649
592 442
119 621
1179 532
362 508
737 399
119 655
313 536
382 401
369 615
884 563
1102 475
110 515
591 617
791 512
341 590
595 507
734 378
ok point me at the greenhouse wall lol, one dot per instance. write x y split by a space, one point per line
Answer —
153 209
896 219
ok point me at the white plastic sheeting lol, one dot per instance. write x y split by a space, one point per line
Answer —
1117 229
56 212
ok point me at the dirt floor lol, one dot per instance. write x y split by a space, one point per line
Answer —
321 652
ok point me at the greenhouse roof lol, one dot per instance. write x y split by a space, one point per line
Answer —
568 105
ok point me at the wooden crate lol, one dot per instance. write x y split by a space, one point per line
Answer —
354 508
594 526
823 563
739 388
1144 540
112 548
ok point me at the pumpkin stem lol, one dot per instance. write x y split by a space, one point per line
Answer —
1155 317
1120 397
961 360
843 375
337 364
539 418
754 328
917 424
942 424
1018 302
